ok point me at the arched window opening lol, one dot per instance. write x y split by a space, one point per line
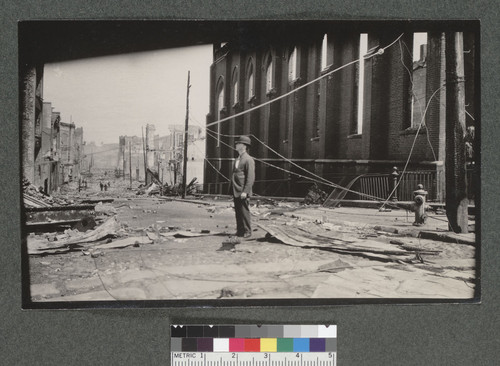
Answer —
235 86
269 75
324 49
220 108
363 48
417 92
292 65
251 82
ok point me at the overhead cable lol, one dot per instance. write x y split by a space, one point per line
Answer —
327 183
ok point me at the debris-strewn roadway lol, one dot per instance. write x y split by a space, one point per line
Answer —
159 248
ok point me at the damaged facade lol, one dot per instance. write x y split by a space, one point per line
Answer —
130 157
52 149
361 119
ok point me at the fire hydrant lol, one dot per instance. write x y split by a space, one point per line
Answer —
419 205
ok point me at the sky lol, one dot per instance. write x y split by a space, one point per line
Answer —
418 39
118 95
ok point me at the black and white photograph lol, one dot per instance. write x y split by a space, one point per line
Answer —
233 163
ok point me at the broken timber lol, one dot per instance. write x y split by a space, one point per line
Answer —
38 218
370 249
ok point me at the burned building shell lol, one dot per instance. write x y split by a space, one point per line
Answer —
344 120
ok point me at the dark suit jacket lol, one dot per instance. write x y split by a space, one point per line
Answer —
243 176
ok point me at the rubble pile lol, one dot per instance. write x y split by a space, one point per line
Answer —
35 197
315 195
156 188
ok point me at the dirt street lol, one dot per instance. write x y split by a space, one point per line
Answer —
176 251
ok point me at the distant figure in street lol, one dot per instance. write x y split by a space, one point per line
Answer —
101 185
242 181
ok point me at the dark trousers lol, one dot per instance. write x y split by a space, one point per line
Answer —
242 209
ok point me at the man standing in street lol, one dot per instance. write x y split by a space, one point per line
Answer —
242 182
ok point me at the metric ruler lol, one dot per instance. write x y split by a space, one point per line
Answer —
253 345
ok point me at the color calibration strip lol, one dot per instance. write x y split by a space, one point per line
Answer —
252 345
253 338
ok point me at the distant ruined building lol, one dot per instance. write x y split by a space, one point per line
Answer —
348 127
162 156
58 150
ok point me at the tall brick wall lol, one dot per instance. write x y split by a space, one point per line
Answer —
436 93
290 125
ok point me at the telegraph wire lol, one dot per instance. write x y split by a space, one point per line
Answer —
325 182
102 152
217 170
412 146
385 201
321 181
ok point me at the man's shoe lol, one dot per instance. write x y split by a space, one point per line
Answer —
247 235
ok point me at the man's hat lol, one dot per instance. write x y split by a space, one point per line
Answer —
244 140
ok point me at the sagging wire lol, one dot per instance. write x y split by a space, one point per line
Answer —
217 170
328 183
102 152
101 280
324 181
379 52
412 146
209 133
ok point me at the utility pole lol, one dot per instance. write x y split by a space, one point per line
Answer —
124 160
130 162
184 166
455 163
144 153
